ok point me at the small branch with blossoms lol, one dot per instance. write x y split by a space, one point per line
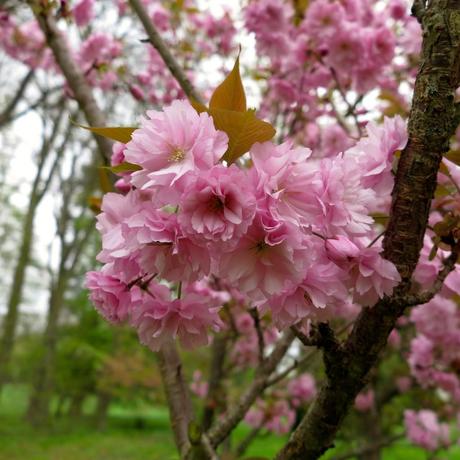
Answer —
320 335
155 39
449 265
224 426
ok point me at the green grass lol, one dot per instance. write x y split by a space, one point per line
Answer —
77 440
125 440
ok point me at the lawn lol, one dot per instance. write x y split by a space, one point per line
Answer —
125 438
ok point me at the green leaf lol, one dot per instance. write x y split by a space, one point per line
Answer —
454 156
104 181
116 133
198 106
123 167
230 95
244 129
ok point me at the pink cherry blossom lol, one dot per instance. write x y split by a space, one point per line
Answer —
110 296
423 428
172 143
198 385
269 258
374 154
217 206
83 12
373 277
302 389
365 401
160 319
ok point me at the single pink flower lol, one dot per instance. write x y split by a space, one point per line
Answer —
171 143
160 319
217 206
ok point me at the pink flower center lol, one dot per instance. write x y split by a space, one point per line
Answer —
216 204
260 246
177 155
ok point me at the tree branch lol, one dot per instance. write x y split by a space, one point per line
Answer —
370 448
260 335
431 124
72 73
177 395
412 300
216 374
221 429
155 39
5 116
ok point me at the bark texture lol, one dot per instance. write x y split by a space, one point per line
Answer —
432 122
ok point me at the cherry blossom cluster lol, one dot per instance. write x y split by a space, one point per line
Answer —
113 60
424 429
293 235
313 58
277 411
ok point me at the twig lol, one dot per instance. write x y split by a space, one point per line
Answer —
216 375
369 448
72 73
260 335
177 396
5 116
247 440
221 429
156 40
350 107
424 297
209 449
307 340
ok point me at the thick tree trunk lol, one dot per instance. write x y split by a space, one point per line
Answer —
433 119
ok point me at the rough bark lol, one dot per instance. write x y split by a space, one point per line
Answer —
432 122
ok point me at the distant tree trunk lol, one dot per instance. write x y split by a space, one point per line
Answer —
39 188
76 405
15 297
60 405
38 410
100 415
73 238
